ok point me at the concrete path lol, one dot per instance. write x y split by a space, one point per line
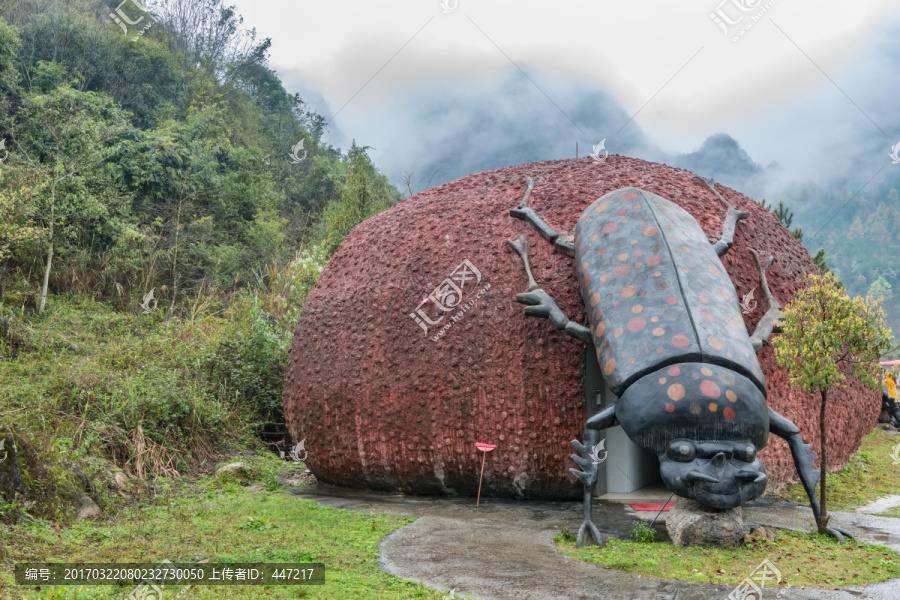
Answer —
505 549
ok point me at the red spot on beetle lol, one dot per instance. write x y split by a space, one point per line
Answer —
728 413
638 252
710 389
636 324
610 227
680 341
622 270
651 231
672 300
708 315
622 212
601 251
670 408
586 280
629 195
674 371
654 260
716 343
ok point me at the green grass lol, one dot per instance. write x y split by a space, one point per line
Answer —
803 559
222 521
869 475
85 384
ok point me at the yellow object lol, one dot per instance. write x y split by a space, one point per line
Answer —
891 386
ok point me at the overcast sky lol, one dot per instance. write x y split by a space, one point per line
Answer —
796 83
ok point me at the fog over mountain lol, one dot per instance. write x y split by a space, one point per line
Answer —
836 135
439 136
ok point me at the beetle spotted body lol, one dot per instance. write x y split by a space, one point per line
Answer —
667 332
665 321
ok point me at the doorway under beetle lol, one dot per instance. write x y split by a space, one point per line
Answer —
628 471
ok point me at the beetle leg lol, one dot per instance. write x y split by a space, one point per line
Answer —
804 457
590 472
731 219
526 213
540 304
604 419
769 321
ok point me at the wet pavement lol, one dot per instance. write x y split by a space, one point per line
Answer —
505 549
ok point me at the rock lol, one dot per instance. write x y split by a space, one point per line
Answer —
87 508
760 532
230 468
12 485
120 480
689 523
297 477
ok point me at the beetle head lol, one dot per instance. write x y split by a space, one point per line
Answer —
716 474
706 423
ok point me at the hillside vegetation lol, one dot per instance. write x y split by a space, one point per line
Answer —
165 206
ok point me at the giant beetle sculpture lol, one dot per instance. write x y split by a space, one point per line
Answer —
667 332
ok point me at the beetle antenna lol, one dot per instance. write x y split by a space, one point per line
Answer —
711 184
530 181
521 247
762 277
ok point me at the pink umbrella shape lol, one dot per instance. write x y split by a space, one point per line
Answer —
485 448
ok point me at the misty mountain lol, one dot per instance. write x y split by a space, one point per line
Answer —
441 135
722 158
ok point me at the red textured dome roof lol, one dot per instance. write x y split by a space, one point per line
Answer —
386 401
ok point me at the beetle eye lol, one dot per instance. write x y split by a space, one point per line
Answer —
681 451
746 453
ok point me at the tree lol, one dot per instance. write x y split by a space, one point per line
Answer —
880 288
365 193
825 337
17 208
66 136
206 34
785 215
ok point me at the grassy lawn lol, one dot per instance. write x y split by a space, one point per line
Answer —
221 520
803 559
869 475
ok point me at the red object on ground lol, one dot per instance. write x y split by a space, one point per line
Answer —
652 507
384 407
485 447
